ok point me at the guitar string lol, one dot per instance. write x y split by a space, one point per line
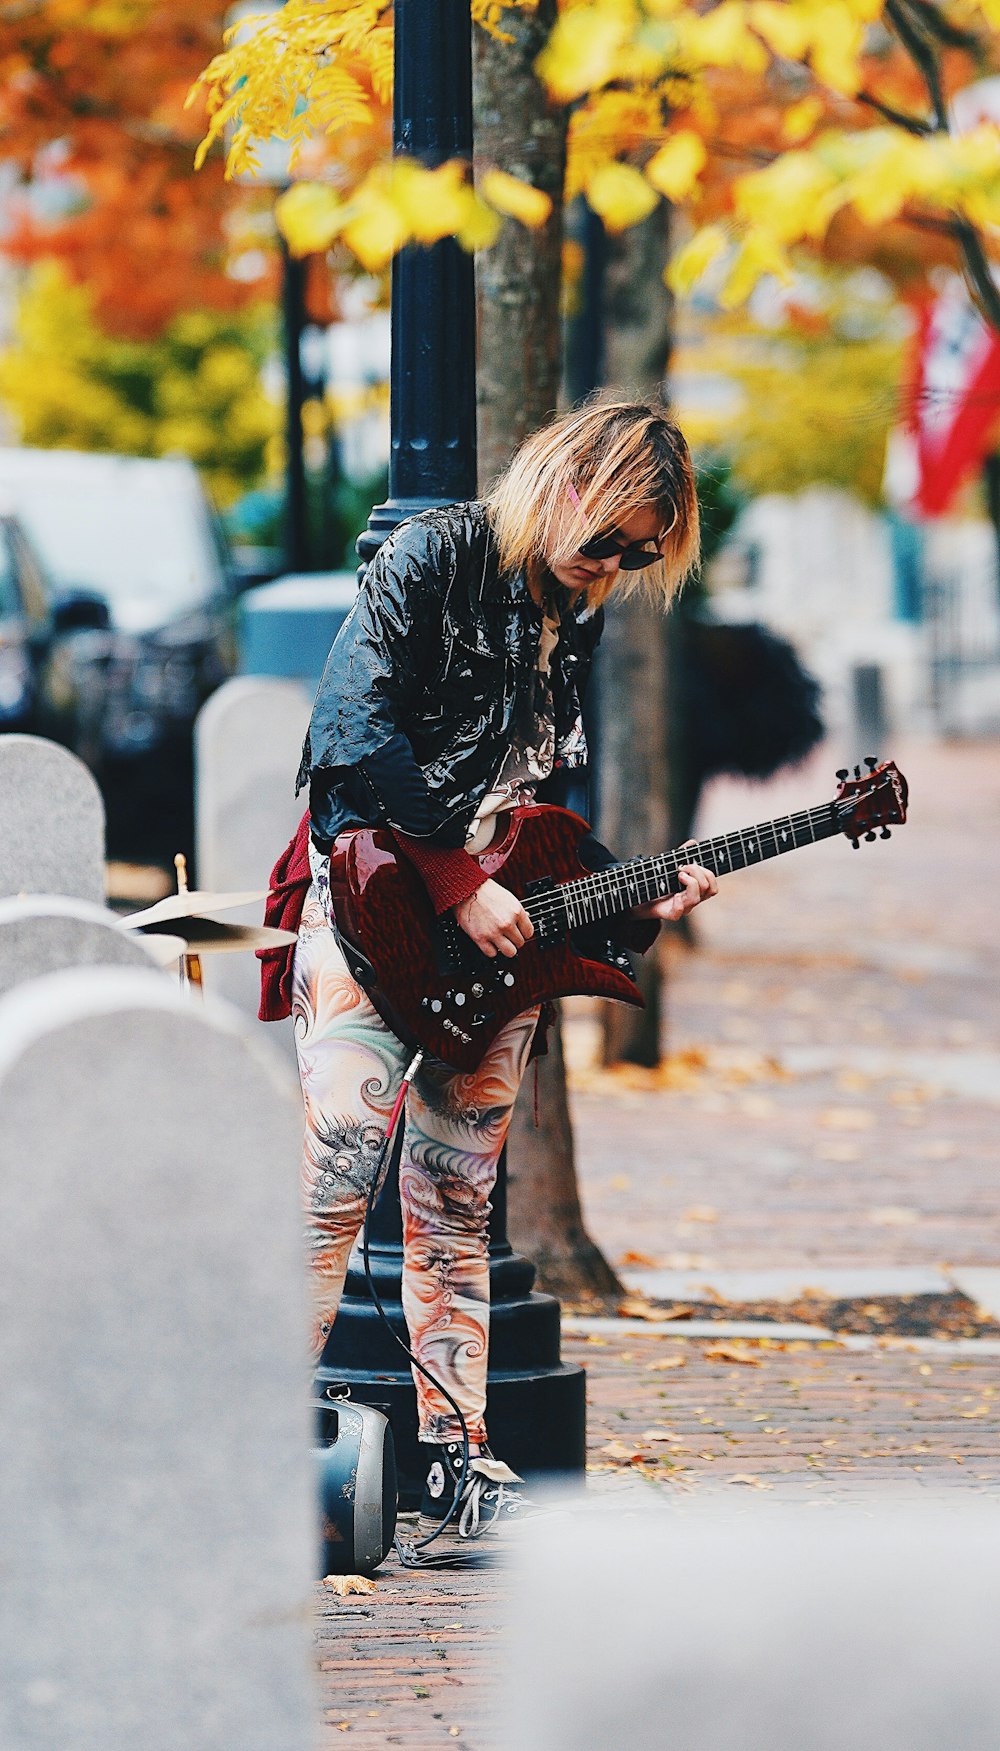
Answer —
613 882
651 873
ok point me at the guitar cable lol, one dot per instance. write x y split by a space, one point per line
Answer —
409 1551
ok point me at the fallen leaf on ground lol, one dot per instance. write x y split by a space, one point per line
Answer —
847 1118
701 1213
667 1362
748 1477
732 1353
892 1216
981 1410
343 1585
618 1450
638 1258
637 1307
837 1151
658 1435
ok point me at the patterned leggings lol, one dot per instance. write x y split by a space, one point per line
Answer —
351 1067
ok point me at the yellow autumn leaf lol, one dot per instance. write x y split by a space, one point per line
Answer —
620 195
580 53
758 256
480 224
722 38
881 189
432 203
837 43
787 30
687 266
793 198
508 194
801 120
376 230
675 168
309 216
982 208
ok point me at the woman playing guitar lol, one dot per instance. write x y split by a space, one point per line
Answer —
452 691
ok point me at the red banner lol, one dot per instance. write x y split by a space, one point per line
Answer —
954 411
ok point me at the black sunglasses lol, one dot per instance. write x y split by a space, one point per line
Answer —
632 555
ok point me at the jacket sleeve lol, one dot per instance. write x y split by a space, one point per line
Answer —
383 651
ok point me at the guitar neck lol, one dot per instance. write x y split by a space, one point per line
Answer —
609 892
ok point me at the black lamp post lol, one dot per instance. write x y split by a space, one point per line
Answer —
293 283
536 1405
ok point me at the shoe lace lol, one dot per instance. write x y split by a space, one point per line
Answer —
485 1499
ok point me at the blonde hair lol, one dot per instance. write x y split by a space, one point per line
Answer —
582 473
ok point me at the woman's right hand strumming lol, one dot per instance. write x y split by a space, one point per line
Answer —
495 919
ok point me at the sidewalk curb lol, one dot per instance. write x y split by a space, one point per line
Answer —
583 1325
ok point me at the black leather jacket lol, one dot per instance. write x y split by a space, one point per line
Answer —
413 716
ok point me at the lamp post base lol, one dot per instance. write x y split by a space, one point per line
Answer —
535 1403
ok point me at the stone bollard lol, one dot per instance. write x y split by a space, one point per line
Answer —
43 933
157 1518
808 1628
51 821
248 739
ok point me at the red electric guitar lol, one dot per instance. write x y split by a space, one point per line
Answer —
432 985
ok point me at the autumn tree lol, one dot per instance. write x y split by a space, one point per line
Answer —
93 123
193 390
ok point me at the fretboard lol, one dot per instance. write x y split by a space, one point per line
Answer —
610 892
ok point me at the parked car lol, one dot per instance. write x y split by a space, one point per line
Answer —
140 595
25 627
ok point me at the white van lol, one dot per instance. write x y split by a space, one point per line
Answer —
141 599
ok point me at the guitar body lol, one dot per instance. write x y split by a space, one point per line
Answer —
426 978
432 986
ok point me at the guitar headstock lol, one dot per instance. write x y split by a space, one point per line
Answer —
876 798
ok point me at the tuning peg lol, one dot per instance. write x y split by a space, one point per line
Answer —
843 774
885 833
870 762
857 772
870 838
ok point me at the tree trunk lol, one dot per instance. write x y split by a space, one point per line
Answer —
518 280
633 793
544 1219
518 285
634 815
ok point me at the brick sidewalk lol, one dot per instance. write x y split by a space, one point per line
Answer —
417 1663
822 1036
811 1117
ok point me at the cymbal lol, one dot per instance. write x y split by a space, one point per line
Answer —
196 904
208 936
165 950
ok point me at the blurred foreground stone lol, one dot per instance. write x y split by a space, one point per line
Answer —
157 1519
51 821
46 932
248 740
770 1630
